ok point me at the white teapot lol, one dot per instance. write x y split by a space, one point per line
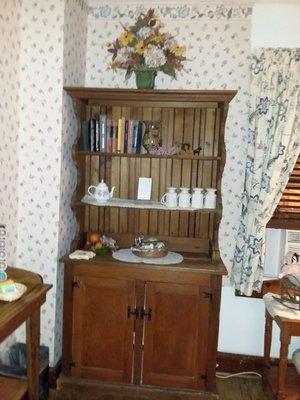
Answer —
101 192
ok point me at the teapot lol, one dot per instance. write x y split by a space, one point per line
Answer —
101 192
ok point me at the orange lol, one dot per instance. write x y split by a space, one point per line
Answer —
94 237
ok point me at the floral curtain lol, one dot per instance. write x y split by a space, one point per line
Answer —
273 145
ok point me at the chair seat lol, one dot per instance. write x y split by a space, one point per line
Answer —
275 308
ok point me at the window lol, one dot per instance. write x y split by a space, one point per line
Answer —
287 213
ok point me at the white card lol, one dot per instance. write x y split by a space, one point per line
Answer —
144 189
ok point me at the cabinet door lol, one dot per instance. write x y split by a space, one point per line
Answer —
102 331
175 343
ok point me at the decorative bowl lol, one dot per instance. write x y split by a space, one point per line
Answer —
21 289
149 247
102 250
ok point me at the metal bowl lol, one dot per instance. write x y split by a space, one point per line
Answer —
149 247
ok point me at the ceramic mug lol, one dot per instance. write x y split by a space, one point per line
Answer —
197 198
210 198
184 198
169 199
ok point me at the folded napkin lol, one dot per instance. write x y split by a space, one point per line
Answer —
81 255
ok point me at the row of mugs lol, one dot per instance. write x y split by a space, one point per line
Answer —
199 198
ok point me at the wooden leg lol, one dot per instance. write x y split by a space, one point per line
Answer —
32 346
268 339
285 339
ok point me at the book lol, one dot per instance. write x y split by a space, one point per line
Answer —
137 137
92 134
125 136
86 135
130 136
114 144
121 129
97 133
102 132
109 135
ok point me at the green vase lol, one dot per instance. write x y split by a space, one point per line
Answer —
145 78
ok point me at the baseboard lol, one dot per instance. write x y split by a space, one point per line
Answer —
226 362
77 388
54 373
234 363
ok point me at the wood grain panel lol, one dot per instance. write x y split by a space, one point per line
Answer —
100 312
116 113
94 180
178 329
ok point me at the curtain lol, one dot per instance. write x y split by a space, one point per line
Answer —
273 145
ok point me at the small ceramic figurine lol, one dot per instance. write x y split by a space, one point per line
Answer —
101 192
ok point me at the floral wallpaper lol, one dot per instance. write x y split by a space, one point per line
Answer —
75 29
52 53
43 47
9 122
41 63
217 38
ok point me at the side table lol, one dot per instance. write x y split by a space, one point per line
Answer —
13 314
284 380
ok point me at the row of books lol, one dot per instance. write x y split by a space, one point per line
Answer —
110 136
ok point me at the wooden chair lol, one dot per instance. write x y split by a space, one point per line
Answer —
283 380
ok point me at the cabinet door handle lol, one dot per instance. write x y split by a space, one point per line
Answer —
148 314
130 312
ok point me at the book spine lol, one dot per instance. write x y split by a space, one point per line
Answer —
130 136
114 145
97 133
139 137
102 133
86 135
125 136
92 134
109 135
135 136
120 136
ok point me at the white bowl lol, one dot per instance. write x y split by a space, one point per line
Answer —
21 289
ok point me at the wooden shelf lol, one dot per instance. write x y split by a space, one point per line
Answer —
12 389
139 204
175 157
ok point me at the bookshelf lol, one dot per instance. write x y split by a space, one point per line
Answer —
195 117
118 303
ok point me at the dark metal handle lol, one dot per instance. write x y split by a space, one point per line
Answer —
135 312
148 314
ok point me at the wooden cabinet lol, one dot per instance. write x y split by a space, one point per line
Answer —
147 326
176 336
102 334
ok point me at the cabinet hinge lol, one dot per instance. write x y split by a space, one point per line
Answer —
75 284
72 364
207 295
203 376
144 313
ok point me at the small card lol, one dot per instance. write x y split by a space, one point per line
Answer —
144 189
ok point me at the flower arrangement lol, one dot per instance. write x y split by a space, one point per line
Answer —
143 47
100 243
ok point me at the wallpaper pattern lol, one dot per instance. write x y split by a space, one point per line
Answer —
75 28
41 59
218 45
9 121
47 39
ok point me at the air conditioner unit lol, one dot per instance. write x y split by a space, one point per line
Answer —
275 251
292 242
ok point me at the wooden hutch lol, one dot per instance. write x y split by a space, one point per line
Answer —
147 330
